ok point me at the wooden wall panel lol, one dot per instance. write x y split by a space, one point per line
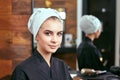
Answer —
25 9
5 67
15 39
5 7
13 22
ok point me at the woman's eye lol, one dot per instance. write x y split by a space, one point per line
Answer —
60 33
48 33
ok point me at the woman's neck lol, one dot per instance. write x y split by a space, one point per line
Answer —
91 36
46 56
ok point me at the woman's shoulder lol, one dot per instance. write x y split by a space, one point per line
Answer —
27 62
61 62
57 59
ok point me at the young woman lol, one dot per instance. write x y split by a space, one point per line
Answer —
88 54
47 28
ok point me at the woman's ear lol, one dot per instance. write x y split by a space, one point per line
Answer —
96 32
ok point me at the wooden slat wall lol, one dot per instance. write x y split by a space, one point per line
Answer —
16 40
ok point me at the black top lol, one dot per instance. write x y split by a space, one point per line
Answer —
89 56
36 68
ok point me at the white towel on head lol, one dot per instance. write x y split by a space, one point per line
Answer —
38 17
89 24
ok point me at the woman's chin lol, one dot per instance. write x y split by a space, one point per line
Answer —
53 50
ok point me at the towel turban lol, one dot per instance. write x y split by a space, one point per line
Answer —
89 24
38 17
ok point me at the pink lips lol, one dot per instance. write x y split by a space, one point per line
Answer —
53 46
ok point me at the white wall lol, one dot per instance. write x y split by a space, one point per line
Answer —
79 14
79 34
117 50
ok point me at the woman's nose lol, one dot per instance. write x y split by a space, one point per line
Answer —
54 38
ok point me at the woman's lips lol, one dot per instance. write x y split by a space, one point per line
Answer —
53 46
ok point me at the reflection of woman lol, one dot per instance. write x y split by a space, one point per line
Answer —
47 28
88 54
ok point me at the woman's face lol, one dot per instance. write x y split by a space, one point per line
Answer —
49 37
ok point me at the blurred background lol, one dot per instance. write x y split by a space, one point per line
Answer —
16 42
